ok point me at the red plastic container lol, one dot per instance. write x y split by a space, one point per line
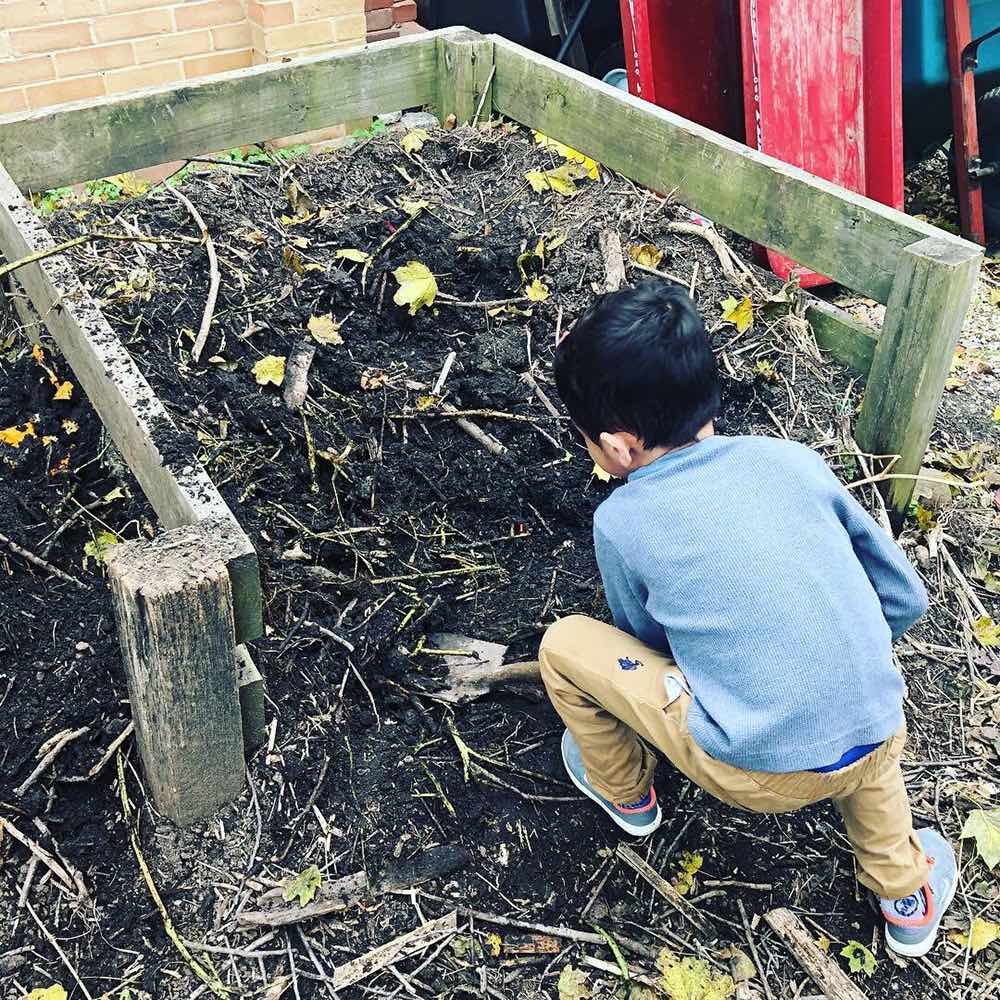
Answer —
818 85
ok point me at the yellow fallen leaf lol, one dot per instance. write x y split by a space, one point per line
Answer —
572 984
996 414
766 370
984 826
413 207
47 993
270 370
414 140
691 979
49 439
981 935
925 518
537 291
303 887
562 179
325 330
64 391
99 544
358 256
646 254
859 958
70 426
417 286
493 943
568 153
14 436
690 865
823 943
291 260
740 314
426 402
605 477
986 631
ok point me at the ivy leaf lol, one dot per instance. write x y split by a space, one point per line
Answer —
14 435
325 330
414 140
417 286
981 935
47 993
646 254
859 958
740 314
537 291
572 984
304 886
984 826
64 391
986 631
270 370
358 256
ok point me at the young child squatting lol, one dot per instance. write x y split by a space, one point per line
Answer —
755 605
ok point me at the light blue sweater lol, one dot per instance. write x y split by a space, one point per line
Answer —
776 593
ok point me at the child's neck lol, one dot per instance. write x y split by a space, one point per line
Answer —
646 457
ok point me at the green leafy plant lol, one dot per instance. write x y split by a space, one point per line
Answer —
51 201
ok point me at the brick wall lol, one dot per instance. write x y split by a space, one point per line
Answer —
390 18
56 51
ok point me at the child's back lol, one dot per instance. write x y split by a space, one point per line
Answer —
779 595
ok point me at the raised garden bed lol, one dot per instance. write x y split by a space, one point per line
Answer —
374 515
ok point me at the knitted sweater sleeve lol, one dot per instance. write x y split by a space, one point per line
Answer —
900 590
626 595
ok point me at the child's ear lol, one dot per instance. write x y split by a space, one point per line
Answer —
618 445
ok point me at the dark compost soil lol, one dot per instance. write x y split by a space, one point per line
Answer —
377 518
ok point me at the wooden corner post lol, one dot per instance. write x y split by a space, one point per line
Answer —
930 296
465 77
174 605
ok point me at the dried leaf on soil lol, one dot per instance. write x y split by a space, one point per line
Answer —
303 887
925 518
859 958
15 435
981 935
573 984
493 944
47 993
740 314
986 632
325 330
64 391
358 256
269 370
414 140
537 291
70 426
562 179
646 254
692 979
413 207
984 826
605 477
690 865
417 286
568 153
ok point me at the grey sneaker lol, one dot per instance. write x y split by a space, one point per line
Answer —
637 818
911 923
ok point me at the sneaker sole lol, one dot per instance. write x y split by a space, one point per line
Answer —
635 831
921 949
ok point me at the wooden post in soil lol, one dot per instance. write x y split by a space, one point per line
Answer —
465 77
930 295
174 605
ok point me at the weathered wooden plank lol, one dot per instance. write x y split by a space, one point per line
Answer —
848 340
821 968
173 603
844 235
930 297
135 418
465 76
79 142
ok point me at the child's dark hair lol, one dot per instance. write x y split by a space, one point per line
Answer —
639 360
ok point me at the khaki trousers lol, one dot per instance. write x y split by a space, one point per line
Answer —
608 709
